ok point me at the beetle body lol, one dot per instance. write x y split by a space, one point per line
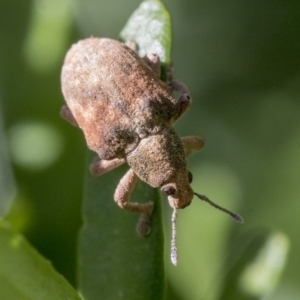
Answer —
112 94
126 112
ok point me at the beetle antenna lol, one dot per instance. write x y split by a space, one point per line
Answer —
174 257
236 217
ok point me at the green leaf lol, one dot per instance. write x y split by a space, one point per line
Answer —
150 27
257 268
115 263
7 184
25 274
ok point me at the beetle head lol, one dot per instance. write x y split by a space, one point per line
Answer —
179 192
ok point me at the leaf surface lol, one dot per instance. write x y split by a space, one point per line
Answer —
25 274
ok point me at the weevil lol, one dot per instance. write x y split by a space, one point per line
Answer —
127 113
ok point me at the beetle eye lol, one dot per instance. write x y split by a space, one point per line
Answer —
169 190
190 176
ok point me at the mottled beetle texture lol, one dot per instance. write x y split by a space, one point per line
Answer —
127 113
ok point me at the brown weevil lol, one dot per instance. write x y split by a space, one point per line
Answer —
126 113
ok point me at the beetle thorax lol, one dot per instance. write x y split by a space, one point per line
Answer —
160 160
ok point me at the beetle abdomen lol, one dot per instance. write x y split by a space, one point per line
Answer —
111 92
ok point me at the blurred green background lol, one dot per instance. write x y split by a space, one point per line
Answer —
241 61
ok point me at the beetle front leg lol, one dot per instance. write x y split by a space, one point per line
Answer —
122 197
66 114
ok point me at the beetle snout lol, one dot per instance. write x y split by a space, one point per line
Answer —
178 198
183 204
180 202
184 199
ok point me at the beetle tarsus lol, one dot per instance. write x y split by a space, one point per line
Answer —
143 226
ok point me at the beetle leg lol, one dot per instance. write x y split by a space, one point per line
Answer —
101 166
66 114
132 45
192 144
185 100
122 197
153 61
